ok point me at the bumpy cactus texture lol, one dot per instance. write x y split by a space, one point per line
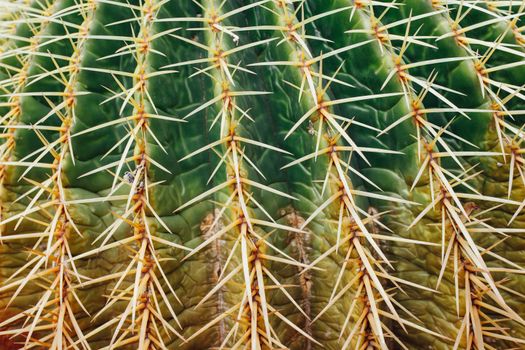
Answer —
271 174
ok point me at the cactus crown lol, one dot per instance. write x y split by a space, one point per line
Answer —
339 174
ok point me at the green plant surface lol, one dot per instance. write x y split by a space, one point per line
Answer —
272 174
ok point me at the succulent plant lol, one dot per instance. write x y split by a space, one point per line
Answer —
272 174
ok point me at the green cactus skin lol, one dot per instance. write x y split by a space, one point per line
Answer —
272 174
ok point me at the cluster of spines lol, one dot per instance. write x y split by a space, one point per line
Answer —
62 225
478 281
252 313
16 74
352 233
143 322
437 174
53 317
350 224
457 219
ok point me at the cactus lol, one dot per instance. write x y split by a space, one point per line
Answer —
271 174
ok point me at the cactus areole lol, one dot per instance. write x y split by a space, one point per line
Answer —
262 174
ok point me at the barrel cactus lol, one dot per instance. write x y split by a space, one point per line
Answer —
270 174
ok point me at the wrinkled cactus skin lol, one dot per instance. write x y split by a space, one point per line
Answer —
272 174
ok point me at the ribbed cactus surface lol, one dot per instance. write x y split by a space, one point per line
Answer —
272 174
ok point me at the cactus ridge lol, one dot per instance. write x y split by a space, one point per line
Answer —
263 174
